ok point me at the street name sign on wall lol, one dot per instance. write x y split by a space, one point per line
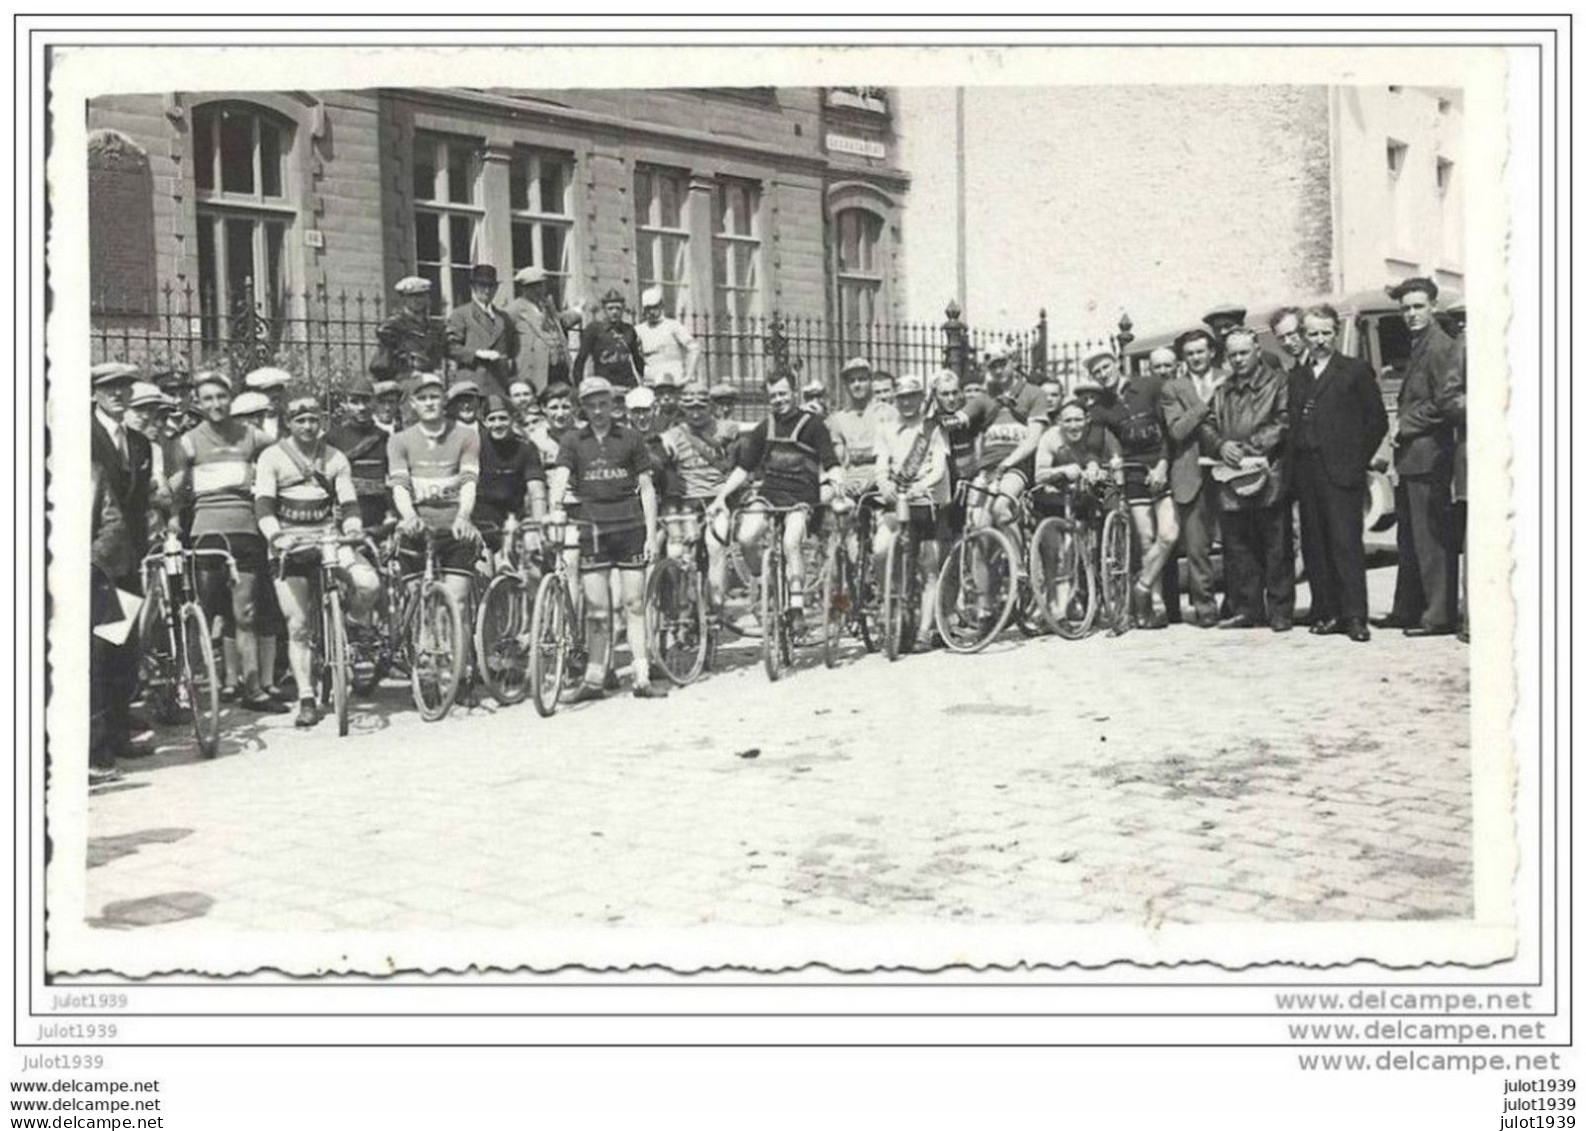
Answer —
858 146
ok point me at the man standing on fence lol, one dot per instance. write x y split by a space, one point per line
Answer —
611 345
480 339
668 348
543 353
409 342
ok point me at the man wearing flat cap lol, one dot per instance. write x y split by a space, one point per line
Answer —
1431 405
610 348
409 342
1186 403
480 339
668 348
122 469
543 353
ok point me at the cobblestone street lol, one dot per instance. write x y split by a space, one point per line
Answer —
1168 776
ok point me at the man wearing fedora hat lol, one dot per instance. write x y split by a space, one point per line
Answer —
409 342
122 464
480 339
610 347
1247 429
543 353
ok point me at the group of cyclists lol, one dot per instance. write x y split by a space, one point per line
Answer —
426 470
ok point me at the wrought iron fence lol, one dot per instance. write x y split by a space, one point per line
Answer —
324 339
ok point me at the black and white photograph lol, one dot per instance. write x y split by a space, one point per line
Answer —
525 510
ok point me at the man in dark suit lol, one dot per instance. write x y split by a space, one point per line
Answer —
1338 419
1186 401
409 342
1425 598
123 470
480 339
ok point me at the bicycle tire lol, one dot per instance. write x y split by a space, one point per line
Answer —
198 672
499 639
836 602
984 623
1062 576
676 610
548 643
158 664
437 651
338 661
1115 570
772 603
861 584
895 595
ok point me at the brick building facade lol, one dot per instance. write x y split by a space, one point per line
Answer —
739 202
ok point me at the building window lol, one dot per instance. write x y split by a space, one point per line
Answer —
446 214
860 265
1398 197
660 203
240 160
542 214
735 252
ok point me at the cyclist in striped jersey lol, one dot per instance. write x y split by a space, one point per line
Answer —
214 468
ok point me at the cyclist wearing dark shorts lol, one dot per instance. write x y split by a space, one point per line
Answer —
1008 420
302 486
1131 409
214 469
511 477
1076 452
791 452
434 482
609 468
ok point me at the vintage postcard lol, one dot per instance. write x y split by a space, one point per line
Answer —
533 507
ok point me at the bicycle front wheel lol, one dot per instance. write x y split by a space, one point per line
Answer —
549 639
337 659
501 639
772 604
1062 575
977 590
201 686
837 602
678 616
1115 570
435 651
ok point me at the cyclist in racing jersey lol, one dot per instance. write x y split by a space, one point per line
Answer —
299 487
792 453
1008 420
913 463
609 466
434 484
1076 451
215 466
858 432
699 456
1131 409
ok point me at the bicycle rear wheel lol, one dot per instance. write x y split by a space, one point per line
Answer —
1115 570
772 603
199 682
337 660
678 616
1062 574
501 635
549 638
436 651
977 590
864 598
